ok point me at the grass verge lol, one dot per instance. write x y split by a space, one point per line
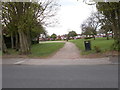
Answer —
45 49
42 50
103 44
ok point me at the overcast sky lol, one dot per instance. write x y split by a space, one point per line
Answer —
70 16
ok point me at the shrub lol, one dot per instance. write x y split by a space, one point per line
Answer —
97 49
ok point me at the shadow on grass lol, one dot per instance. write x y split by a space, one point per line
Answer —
39 50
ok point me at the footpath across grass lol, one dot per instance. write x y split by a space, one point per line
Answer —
103 44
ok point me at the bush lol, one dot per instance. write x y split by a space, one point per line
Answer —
35 42
116 45
97 49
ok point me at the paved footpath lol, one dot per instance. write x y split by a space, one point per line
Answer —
69 51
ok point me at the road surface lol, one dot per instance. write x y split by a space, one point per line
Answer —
62 76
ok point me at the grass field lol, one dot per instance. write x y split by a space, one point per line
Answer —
45 49
101 43
40 50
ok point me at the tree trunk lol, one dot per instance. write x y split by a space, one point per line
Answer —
24 43
29 39
107 36
16 42
118 15
4 48
116 35
112 34
93 36
114 21
12 41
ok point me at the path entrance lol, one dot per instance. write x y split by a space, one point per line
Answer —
68 55
69 51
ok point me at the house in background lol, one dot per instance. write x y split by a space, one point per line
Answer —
43 37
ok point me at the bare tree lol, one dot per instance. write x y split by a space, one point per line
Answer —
91 24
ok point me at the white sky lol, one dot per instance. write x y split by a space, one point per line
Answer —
70 16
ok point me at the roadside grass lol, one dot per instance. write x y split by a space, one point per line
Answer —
40 50
45 49
103 44
12 52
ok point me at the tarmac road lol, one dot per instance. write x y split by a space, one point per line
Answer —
60 76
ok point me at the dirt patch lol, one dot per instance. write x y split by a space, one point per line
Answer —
98 55
14 56
101 55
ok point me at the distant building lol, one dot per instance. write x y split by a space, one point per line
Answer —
79 36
